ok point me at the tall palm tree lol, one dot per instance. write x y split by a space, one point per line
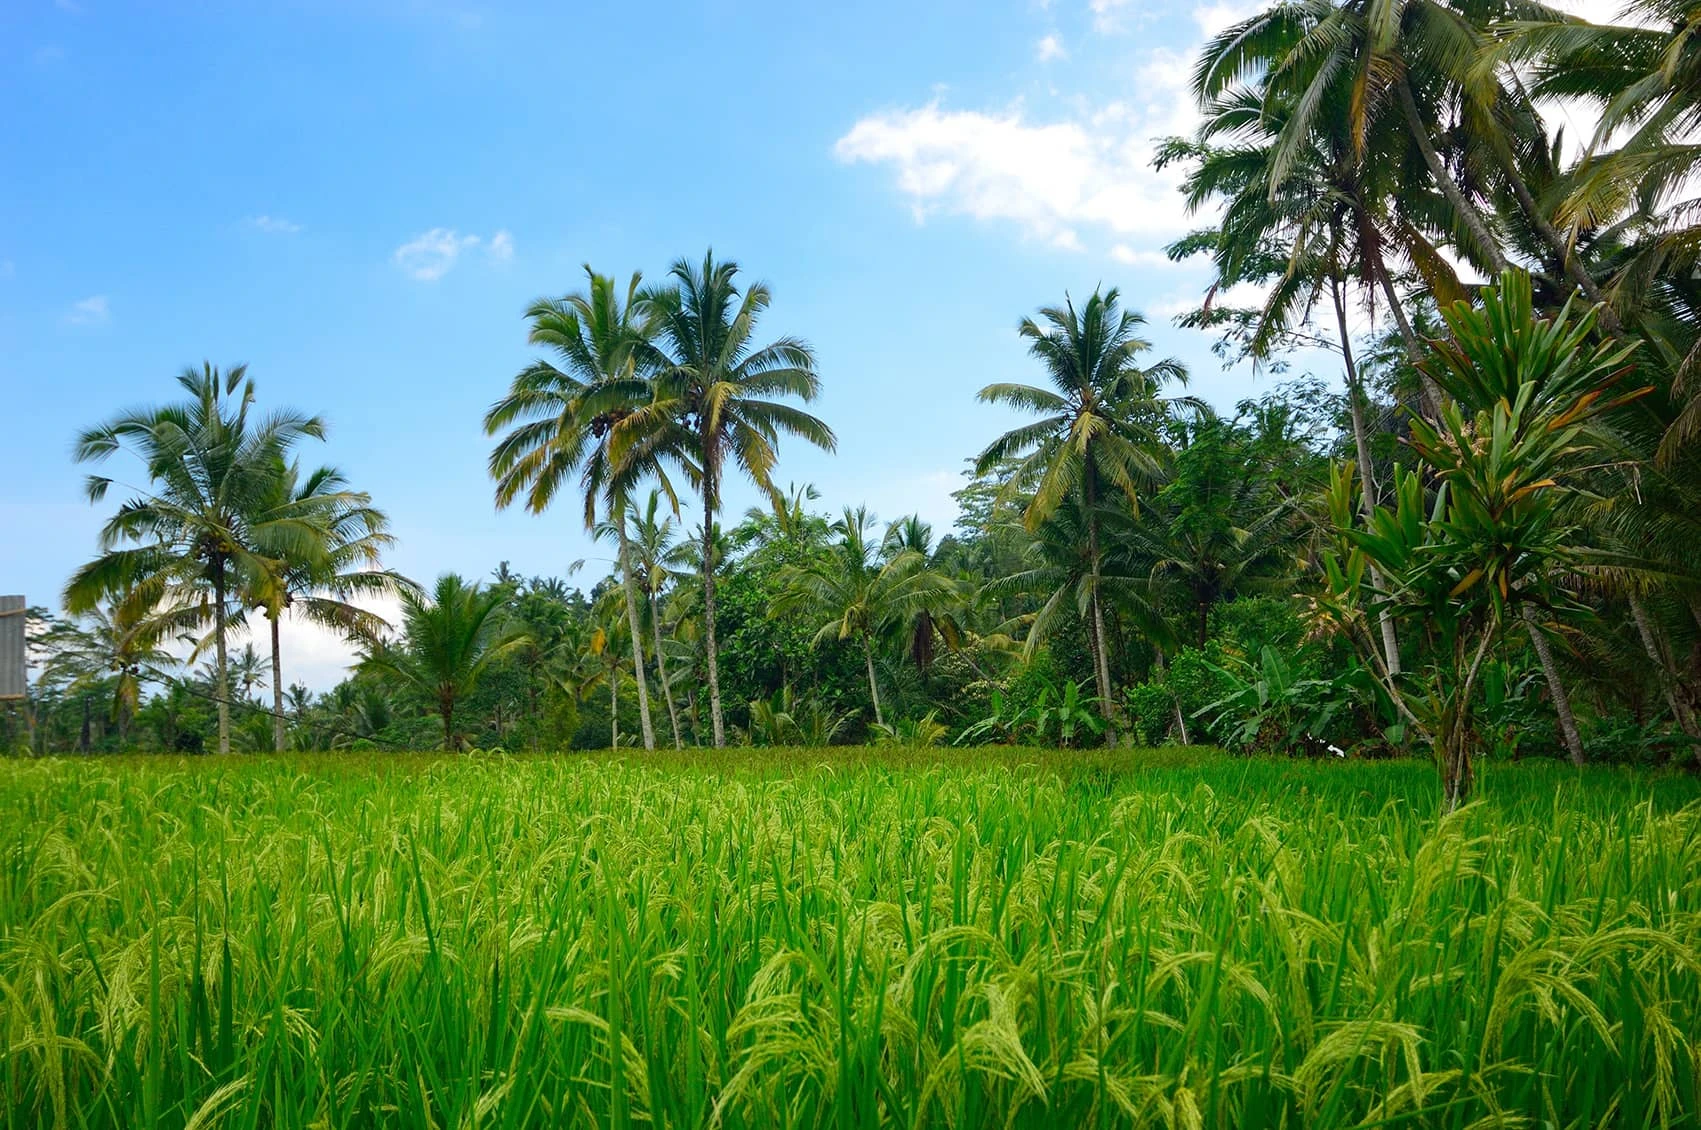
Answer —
563 413
198 530
449 639
1099 428
342 562
715 391
657 555
860 591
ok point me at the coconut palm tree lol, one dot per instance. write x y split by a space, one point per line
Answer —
1099 431
860 591
562 414
342 562
656 553
449 639
717 402
119 640
199 530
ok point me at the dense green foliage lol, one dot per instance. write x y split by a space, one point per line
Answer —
763 939
1482 547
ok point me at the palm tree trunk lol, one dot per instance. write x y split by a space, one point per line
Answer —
1408 336
613 708
277 689
1679 709
1361 447
1468 214
637 630
1562 254
446 710
873 685
710 651
661 673
1101 660
223 688
1556 690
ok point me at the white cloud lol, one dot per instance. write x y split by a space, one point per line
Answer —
1140 256
430 255
1111 16
1083 178
275 225
1219 14
1049 48
91 311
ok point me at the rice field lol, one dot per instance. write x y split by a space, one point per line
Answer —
805 939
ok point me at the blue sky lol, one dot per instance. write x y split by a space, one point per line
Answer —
359 200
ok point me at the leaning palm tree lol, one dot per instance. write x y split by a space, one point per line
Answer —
562 414
1099 429
198 531
715 393
859 593
347 538
449 639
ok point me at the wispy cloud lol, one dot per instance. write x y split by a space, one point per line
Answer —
1140 256
1110 16
1050 47
91 311
431 255
275 225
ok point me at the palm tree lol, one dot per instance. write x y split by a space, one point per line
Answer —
714 391
200 532
658 556
860 591
348 537
119 640
922 621
1370 61
1215 530
1099 428
563 415
449 639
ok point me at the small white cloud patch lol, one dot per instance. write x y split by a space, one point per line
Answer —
275 225
1049 48
430 255
91 311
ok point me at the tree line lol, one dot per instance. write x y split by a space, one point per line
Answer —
1480 545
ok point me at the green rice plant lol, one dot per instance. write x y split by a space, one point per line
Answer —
844 938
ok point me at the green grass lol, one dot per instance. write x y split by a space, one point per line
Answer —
844 939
